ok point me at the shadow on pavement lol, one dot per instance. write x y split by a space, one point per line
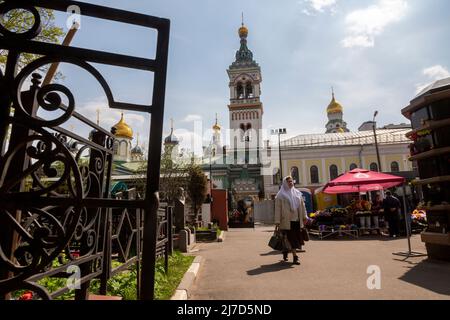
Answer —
271 253
360 239
276 253
431 275
276 267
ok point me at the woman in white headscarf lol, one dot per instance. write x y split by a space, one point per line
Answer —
290 216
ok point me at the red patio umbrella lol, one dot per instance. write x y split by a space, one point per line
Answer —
360 180
364 179
353 189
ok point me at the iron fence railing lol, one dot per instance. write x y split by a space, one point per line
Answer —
55 202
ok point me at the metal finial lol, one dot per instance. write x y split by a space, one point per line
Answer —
242 18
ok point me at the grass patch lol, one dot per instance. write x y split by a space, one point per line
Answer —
218 231
124 284
166 284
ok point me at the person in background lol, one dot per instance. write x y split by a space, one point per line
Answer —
290 217
391 206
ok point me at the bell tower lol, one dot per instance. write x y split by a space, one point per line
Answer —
245 108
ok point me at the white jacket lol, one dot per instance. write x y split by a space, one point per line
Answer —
284 214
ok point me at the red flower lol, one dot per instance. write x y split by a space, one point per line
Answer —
28 295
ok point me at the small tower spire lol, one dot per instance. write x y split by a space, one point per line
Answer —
242 18
171 124
332 92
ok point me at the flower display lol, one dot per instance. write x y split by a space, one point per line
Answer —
28 295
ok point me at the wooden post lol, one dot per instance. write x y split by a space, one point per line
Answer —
54 66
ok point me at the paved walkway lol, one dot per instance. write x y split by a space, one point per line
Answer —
243 267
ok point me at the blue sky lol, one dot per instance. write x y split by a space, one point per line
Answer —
375 53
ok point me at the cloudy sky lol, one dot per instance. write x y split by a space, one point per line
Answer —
376 54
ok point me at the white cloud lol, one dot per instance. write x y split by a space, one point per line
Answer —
433 73
192 118
318 6
109 117
190 141
364 25
358 41
436 72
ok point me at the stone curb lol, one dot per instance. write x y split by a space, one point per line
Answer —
221 237
182 292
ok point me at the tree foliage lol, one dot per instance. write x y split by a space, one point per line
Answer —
197 187
174 174
20 21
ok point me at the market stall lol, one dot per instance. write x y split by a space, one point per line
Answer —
334 221
358 218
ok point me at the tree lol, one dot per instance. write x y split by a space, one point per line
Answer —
20 20
173 175
197 187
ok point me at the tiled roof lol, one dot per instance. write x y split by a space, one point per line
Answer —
384 136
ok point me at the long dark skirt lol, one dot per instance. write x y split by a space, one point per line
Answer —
294 236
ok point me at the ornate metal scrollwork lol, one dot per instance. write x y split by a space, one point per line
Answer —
35 29
55 204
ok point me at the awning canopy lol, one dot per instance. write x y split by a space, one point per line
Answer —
361 180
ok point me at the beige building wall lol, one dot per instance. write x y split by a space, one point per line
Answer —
349 161
342 157
333 161
309 164
298 164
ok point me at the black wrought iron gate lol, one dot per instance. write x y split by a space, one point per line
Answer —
55 203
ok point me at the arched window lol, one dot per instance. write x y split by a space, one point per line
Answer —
333 172
276 176
240 91
374 167
314 172
395 167
116 148
295 175
353 166
249 90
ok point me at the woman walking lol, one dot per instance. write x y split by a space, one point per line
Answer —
290 216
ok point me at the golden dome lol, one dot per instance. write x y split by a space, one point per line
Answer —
216 126
123 130
334 106
340 130
243 31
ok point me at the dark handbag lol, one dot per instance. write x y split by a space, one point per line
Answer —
305 235
276 241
